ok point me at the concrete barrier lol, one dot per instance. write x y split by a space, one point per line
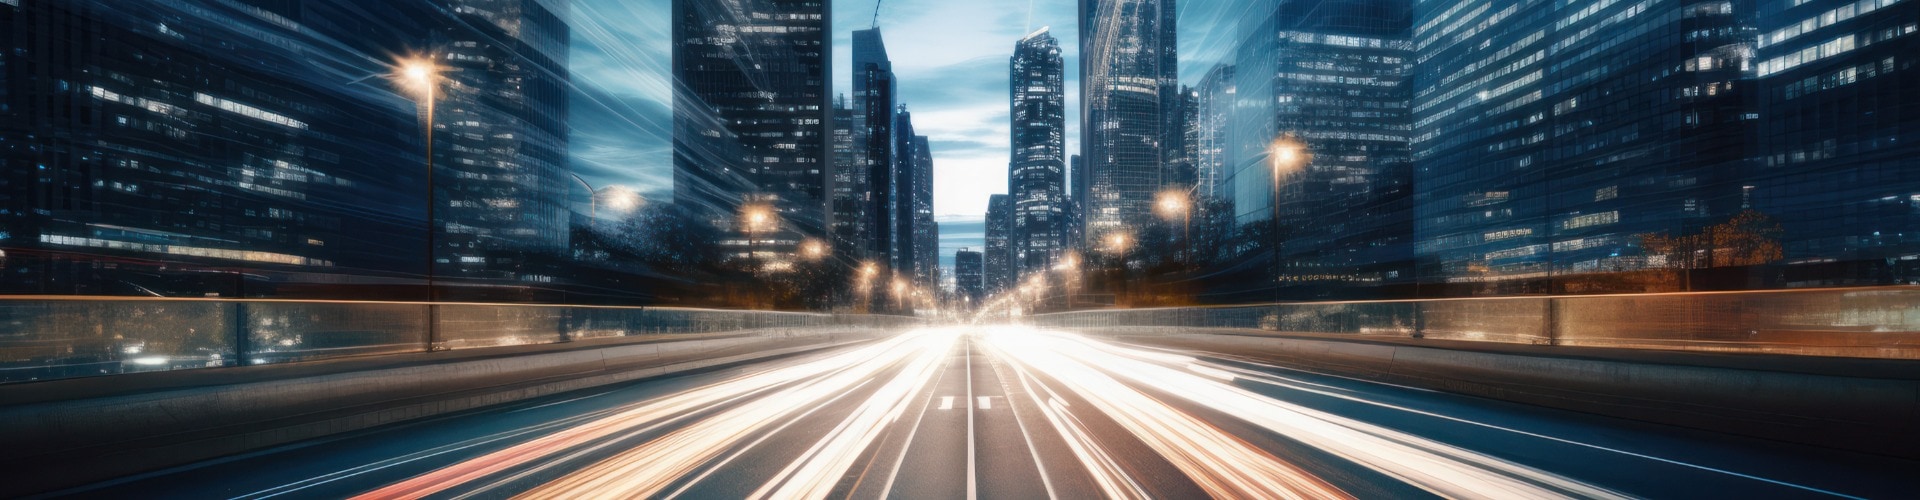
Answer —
64 433
1863 405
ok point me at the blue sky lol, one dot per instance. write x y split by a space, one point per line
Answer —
950 55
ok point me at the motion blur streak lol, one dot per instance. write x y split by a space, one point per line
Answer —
1225 466
648 469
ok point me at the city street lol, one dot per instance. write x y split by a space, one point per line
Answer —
1015 412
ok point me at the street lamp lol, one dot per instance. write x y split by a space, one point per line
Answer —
813 249
420 77
756 218
1177 203
1286 156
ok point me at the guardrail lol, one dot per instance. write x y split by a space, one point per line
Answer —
48 338
1879 322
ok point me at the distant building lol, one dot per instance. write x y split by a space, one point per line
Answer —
874 102
850 190
1129 87
1077 202
1037 180
1000 269
1213 111
969 275
926 232
753 125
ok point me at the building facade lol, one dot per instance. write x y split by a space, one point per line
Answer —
874 101
194 148
1324 90
969 278
500 139
1129 87
1037 180
1000 268
1550 141
753 123
1836 157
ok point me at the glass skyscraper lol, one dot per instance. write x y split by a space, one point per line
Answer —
753 120
258 149
1037 179
1129 88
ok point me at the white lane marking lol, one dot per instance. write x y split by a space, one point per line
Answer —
986 403
561 402
763 438
1032 451
887 489
1275 382
946 402
972 481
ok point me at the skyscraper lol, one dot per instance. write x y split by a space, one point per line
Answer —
501 138
926 232
1000 268
1548 141
969 276
1836 160
1077 202
1129 84
752 115
1213 107
849 179
874 90
1037 180
167 139
1329 78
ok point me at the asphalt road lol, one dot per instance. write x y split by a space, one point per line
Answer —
1007 412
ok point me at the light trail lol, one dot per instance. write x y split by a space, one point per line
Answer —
1107 375
649 469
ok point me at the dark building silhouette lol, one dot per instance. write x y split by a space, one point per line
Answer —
850 188
1000 269
256 148
969 278
753 122
1038 178
1129 89
1077 201
874 101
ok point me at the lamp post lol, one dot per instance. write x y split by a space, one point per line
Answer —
421 77
1177 203
1285 157
1117 245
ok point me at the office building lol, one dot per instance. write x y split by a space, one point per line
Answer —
1129 87
969 278
1037 179
753 122
1000 269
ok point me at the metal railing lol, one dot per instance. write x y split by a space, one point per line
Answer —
1879 322
44 338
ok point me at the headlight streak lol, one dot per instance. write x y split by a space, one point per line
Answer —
1439 468
1222 465
854 365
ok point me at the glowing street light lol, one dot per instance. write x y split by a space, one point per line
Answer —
1119 243
813 250
421 77
1287 156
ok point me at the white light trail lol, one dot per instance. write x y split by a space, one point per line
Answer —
1226 467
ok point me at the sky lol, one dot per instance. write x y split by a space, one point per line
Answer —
951 57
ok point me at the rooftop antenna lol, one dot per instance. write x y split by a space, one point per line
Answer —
876 13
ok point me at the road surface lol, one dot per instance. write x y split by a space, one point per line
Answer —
1012 412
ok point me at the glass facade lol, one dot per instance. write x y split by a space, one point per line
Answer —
1038 178
177 149
1129 90
753 119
